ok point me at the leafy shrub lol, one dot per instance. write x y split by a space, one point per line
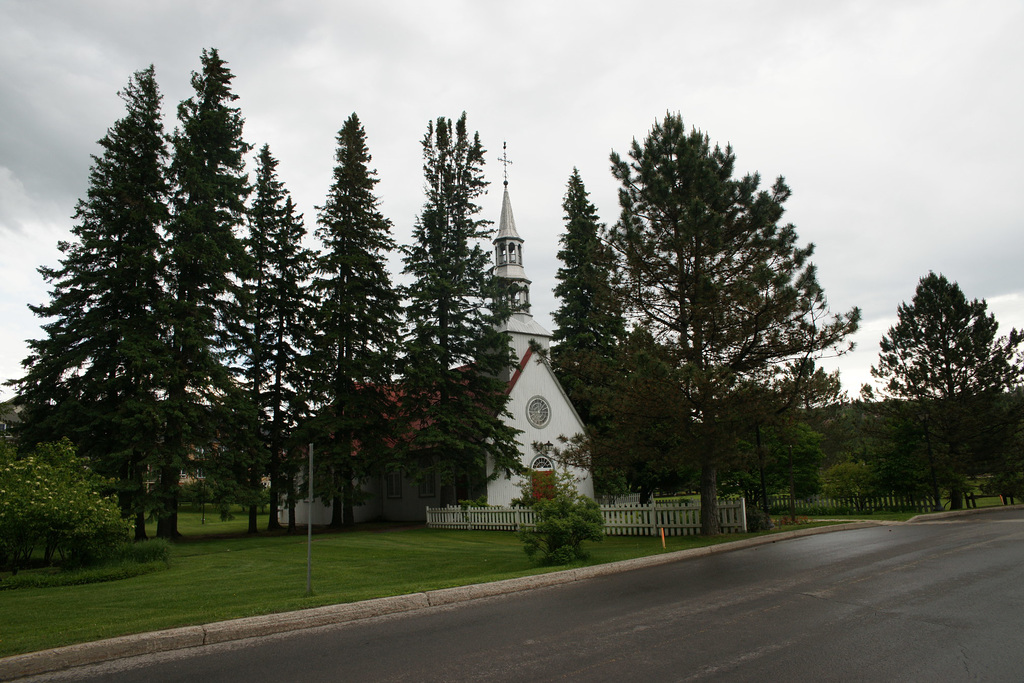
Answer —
153 550
563 519
50 500
562 524
849 479
757 520
126 561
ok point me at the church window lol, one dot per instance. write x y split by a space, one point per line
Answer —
393 484
428 487
428 484
512 253
541 462
538 412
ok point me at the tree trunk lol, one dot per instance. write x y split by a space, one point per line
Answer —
167 521
764 483
140 526
253 515
348 498
448 495
792 489
709 500
167 527
337 512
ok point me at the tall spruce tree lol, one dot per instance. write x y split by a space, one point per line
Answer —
204 260
945 364
454 351
588 323
356 327
277 309
97 377
706 266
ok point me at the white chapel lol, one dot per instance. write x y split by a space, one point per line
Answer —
538 404
540 408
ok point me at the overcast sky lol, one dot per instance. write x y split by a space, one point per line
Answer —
899 126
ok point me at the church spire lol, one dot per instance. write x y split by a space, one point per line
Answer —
508 249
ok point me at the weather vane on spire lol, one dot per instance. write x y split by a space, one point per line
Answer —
505 160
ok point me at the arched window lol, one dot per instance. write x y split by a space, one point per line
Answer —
541 463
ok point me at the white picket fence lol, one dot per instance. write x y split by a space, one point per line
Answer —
678 519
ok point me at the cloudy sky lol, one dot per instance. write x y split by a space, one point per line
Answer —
899 125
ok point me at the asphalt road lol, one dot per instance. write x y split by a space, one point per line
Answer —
935 601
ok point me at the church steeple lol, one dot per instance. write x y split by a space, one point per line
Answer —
524 332
508 250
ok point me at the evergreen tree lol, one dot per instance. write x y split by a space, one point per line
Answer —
356 330
205 257
588 325
944 360
455 353
97 377
705 265
638 408
276 303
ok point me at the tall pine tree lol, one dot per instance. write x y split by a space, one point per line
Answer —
277 309
588 325
205 258
356 327
944 365
723 287
97 377
455 353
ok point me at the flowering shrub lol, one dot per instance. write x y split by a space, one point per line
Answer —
562 524
563 519
49 500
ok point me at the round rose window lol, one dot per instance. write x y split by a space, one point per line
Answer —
538 412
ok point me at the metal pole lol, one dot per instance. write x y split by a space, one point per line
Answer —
309 527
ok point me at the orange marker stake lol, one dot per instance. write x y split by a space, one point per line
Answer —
662 538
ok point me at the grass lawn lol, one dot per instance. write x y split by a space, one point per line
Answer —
214 576
217 572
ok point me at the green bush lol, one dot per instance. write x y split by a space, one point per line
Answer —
757 520
50 501
153 550
850 479
126 561
562 524
563 519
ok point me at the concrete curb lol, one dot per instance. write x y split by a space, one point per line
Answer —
931 516
57 659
